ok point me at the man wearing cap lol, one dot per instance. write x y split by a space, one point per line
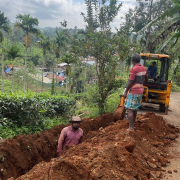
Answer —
71 135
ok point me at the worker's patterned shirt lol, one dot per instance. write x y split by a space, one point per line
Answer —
69 137
137 74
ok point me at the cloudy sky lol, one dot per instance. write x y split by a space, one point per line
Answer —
51 12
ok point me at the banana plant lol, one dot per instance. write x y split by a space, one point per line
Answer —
173 15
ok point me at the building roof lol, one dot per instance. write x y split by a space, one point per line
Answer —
59 78
62 64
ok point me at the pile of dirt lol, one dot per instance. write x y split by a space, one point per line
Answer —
19 154
113 153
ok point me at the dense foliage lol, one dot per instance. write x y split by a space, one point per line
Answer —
33 109
31 50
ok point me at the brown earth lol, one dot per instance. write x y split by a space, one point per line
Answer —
19 154
110 153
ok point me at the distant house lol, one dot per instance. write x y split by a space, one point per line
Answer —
93 79
59 78
62 65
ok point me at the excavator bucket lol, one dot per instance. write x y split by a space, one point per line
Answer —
119 112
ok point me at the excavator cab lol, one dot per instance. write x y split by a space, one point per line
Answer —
157 89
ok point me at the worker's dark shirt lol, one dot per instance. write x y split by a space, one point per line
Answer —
152 70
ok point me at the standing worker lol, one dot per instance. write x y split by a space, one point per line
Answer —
71 135
134 90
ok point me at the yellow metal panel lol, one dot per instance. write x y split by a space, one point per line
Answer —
164 95
154 56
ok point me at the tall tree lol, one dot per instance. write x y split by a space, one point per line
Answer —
27 23
4 27
61 41
13 52
45 45
102 44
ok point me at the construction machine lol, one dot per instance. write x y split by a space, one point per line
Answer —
157 89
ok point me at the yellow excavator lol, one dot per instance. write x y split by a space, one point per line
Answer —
157 89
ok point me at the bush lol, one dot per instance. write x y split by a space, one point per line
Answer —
31 109
118 83
78 96
113 100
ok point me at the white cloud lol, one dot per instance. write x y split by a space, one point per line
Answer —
52 12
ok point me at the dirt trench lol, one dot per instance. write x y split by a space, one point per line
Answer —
113 152
19 154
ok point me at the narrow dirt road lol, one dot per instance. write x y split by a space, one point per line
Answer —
173 118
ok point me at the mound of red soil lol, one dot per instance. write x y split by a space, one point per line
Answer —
113 153
19 154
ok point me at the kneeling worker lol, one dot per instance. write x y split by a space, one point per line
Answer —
71 135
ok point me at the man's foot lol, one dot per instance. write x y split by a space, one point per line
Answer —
130 129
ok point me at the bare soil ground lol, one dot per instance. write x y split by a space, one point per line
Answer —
173 118
112 152
108 151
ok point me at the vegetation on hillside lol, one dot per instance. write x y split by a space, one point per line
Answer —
30 50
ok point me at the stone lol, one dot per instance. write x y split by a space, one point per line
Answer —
171 136
175 171
155 174
152 165
163 169
130 146
169 171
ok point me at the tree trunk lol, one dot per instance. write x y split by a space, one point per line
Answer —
12 80
66 84
42 74
85 77
149 28
2 69
25 69
52 86
56 78
124 69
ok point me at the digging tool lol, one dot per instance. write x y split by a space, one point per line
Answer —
119 112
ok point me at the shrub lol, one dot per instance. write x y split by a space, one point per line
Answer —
32 108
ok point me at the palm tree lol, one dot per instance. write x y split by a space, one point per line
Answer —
173 15
61 41
12 53
27 23
45 45
4 27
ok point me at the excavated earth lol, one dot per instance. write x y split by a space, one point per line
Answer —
108 152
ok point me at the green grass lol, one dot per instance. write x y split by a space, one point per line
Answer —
175 88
